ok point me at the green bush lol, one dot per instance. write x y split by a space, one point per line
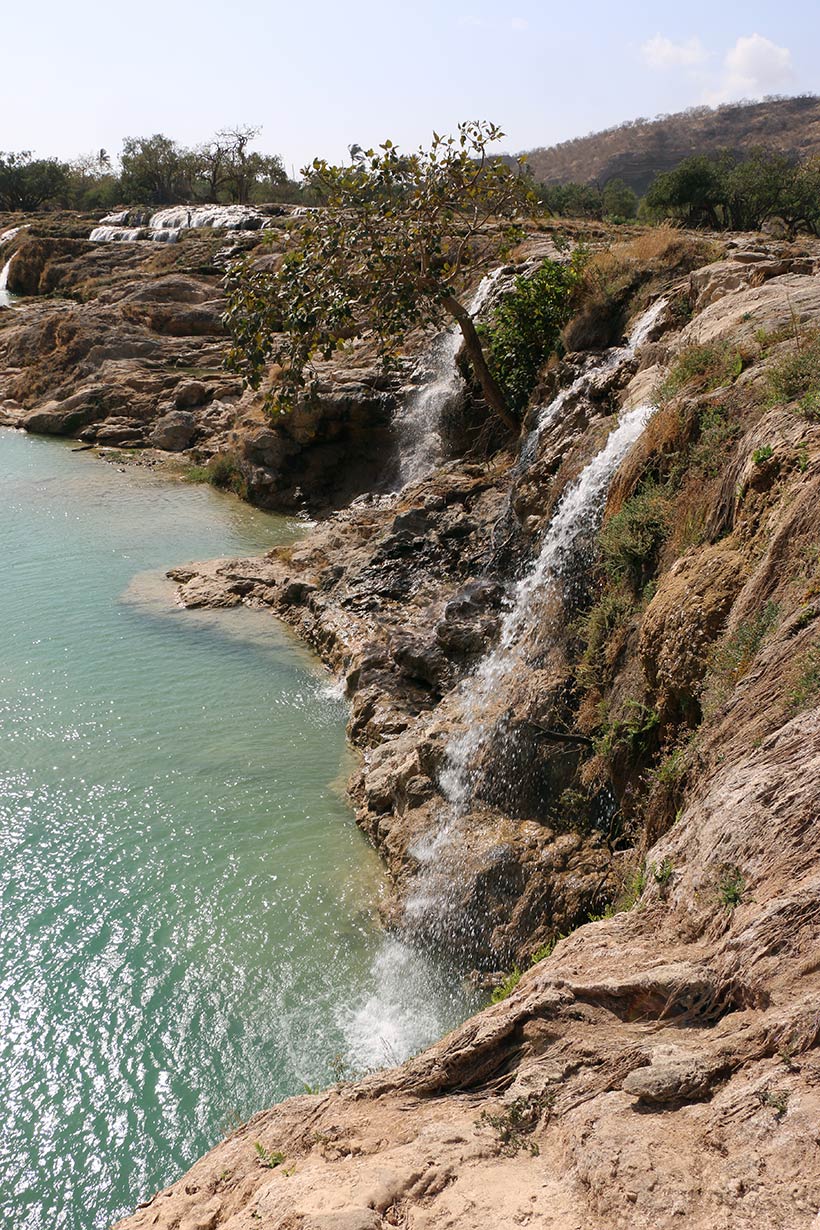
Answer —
224 471
631 539
525 327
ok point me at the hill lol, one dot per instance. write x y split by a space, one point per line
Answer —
636 151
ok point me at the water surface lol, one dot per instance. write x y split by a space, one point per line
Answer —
186 906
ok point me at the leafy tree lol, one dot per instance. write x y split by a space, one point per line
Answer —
693 192
26 183
525 326
573 200
618 200
153 172
396 243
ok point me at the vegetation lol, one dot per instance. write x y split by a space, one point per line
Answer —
525 328
27 182
153 171
397 242
631 538
506 988
701 368
806 687
795 376
269 1158
518 1121
731 887
732 657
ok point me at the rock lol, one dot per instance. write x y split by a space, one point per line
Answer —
175 431
190 393
681 1080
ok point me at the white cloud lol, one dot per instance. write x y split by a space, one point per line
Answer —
519 23
660 52
753 67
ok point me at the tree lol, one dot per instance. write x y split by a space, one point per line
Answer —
618 200
26 183
396 242
694 192
152 170
244 168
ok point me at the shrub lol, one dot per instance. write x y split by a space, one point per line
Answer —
731 887
703 367
507 987
525 327
806 686
225 471
761 455
796 376
631 539
597 627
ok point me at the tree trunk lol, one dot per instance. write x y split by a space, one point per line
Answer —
493 395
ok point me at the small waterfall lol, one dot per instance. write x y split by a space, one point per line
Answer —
5 296
484 695
166 225
577 516
118 234
419 420
8 235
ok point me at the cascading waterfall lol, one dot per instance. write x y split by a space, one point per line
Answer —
419 420
575 519
5 297
576 516
166 225
117 234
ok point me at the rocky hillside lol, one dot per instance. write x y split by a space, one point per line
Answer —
584 679
639 150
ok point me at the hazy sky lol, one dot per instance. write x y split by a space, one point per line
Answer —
319 75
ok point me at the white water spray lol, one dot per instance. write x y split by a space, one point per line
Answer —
419 420
576 515
5 297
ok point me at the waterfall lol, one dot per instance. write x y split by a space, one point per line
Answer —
483 696
8 235
117 234
419 420
5 296
577 515
611 359
166 225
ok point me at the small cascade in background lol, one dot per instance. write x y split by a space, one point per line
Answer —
419 420
166 225
118 234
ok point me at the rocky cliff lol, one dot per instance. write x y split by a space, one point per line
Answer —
584 677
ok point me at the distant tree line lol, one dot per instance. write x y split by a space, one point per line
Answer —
152 170
720 191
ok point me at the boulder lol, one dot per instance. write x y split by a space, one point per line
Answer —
174 431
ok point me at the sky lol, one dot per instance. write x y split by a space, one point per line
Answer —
320 75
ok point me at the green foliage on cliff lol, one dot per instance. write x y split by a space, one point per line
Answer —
631 539
397 240
525 327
